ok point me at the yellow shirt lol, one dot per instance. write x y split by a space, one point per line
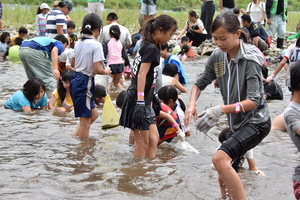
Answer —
14 38
66 103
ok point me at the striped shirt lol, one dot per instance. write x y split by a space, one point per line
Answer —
40 22
56 17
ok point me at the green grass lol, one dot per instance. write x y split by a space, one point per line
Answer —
18 16
294 5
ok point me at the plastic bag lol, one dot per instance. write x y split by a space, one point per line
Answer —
110 116
184 145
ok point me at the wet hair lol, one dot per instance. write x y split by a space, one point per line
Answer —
246 18
164 46
229 22
32 88
185 48
185 39
295 76
169 92
112 17
61 38
89 23
23 30
99 92
65 76
120 99
236 10
71 24
170 70
114 31
223 135
18 40
265 71
162 22
3 36
193 13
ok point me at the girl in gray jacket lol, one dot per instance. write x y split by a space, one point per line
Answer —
237 67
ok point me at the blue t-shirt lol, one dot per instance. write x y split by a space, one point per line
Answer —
18 100
44 44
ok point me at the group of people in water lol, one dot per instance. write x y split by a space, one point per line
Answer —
156 114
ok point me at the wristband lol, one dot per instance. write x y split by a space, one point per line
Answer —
140 93
237 107
140 102
242 107
174 125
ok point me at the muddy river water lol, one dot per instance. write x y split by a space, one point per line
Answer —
40 159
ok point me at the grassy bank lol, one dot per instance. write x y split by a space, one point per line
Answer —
294 5
17 16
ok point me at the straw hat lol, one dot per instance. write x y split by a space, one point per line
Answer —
55 3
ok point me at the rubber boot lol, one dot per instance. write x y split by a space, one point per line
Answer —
280 43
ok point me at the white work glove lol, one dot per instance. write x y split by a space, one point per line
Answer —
270 78
181 135
208 118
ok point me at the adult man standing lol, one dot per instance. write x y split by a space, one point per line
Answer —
56 21
148 9
112 19
277 13
227 5
96 6
207 13
258 35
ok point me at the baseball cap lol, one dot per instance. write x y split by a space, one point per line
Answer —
44 5
68 3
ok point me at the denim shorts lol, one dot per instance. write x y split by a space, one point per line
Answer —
247 137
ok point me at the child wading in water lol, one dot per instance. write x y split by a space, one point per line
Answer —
61 100
237 67
115 52
137 114
32 96
88 61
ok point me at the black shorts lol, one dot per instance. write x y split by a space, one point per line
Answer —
247 137
116 68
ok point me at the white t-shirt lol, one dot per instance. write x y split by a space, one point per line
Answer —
199 23
256 11
292 54
66 56
125 36
86 53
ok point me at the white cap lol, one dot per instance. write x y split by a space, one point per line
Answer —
44 5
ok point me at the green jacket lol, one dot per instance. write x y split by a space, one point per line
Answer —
271 8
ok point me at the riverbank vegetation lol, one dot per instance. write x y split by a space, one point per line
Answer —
20 15
294 5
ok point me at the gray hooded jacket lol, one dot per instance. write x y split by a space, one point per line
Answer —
239 79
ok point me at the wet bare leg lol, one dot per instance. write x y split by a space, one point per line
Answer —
232 181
